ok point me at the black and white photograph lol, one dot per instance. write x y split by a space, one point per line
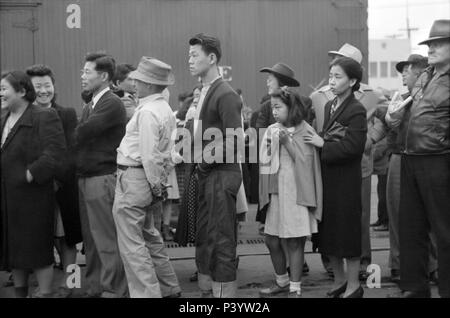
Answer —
252 150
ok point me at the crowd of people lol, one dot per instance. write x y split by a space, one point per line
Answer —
111 178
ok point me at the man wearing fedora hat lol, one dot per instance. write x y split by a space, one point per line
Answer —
219 109
371 100
143 158
410 70
425 172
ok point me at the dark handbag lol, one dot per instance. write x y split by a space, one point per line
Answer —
336 132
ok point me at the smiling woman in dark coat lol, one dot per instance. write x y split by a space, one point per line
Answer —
31 146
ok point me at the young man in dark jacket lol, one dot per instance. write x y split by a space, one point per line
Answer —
219 108
101 128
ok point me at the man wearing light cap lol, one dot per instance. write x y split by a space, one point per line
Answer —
143 159
371 100
425 172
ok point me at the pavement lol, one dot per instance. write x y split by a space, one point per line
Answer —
255 269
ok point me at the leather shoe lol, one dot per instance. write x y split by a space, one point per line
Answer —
274 290
337 292
377 223
395 276
381 228
358 293
411 294
194 277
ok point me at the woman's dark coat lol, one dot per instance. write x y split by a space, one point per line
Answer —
36 143
340 229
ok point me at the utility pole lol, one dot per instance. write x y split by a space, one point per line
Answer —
408 27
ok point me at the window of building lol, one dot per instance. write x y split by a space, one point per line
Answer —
394 72
373 69
383 69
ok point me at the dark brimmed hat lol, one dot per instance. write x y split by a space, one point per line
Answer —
415 59
440 30
284 72
210 42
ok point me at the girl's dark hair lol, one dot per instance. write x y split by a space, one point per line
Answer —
296 110
20 81
352 68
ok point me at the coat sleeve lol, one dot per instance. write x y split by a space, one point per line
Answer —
318 210
71 125
52 145
352 144
105 117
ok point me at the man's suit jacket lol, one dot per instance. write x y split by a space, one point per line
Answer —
98 136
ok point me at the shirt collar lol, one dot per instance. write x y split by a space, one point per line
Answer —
149 98
210 83
97 97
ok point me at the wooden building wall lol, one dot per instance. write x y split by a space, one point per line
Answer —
254 34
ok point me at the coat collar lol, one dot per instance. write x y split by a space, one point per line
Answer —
25 120
211 91
329 121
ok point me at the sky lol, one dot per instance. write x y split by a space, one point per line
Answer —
388 18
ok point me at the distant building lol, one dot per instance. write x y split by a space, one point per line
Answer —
383 56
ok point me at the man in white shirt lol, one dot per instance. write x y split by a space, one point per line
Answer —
142 160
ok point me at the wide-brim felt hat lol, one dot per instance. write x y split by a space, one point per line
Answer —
440 30
153 71
283 71
412 59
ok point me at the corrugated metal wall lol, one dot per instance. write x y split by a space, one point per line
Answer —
254 33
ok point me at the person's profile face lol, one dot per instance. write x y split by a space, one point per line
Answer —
439 52
405 74
127 85
91 80
141 88
272 83
199 61
411 76
8 95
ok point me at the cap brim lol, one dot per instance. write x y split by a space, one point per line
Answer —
434 39
400 65
141 77
335 53
289 81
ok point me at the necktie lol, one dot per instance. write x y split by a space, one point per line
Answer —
333 108
87 110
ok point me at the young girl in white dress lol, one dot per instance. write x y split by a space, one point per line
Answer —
291 180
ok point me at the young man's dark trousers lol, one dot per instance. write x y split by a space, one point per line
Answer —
424 204
216 239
